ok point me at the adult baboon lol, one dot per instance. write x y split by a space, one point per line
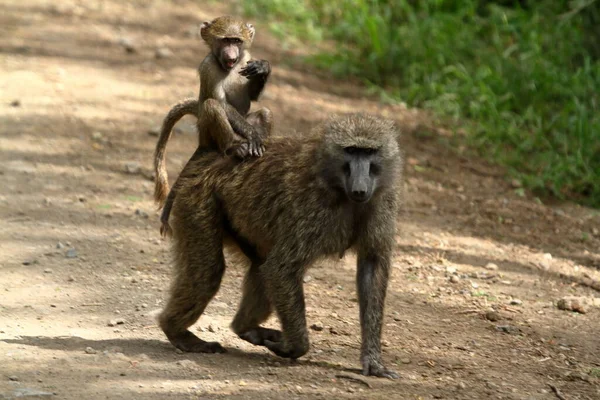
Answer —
306 198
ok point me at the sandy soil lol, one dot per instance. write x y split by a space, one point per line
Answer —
83 270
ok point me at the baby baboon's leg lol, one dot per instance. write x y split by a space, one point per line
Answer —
254 309
199 267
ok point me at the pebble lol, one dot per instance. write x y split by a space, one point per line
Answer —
114 322
48 271
515 183
141 213
97 136
28 262
507 329
451 270
27 392
155 131
132 167
571 304
127 45
491 267
163 52
15 103
405 361
317 326
461 386
59 245
548 256
454 279
211 328
307 278
13 378
516 302
71 278
493 316
71 253
90 350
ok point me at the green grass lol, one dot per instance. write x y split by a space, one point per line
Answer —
524 82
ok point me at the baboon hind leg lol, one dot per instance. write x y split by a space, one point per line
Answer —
255 308
199 266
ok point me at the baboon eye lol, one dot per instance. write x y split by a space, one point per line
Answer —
346 169
235 40
351 150
374 169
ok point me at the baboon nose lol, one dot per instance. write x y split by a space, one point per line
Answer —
359 195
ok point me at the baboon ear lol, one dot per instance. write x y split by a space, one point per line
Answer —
251 30
204 30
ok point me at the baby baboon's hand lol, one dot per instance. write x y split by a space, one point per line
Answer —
255 68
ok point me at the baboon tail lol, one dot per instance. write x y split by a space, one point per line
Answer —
161 181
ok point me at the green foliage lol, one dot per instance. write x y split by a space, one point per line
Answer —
526 80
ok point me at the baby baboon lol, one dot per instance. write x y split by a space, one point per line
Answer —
306 198
229 81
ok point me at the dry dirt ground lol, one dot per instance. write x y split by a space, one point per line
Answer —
478 270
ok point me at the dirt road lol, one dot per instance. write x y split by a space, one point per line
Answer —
478 270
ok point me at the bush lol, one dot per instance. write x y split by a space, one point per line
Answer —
525 79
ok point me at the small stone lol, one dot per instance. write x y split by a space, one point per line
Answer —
53 305
571 304
59 245
120 321
141 213
461 386
515 183
211 328
15 103
71 278
132 167
548 256
493 316
454 279
333 331
13 378
163 52
317 326
155 131
451 270
97 136
491 267
47 201
474 285
516 302
144 305
307 278
90 350
71 253
28 262
48 271
127 44
405 361
243 383
507 329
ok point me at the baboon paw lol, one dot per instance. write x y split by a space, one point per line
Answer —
191 343
378 370
165 230
203 347
240 151
280 349
259 335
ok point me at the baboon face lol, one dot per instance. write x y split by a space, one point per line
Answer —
360 170
227 38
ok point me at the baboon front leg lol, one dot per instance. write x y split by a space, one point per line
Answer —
372 279
199 266
284 287
262 123
255 308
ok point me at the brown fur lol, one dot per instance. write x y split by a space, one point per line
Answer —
219 122
284 211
